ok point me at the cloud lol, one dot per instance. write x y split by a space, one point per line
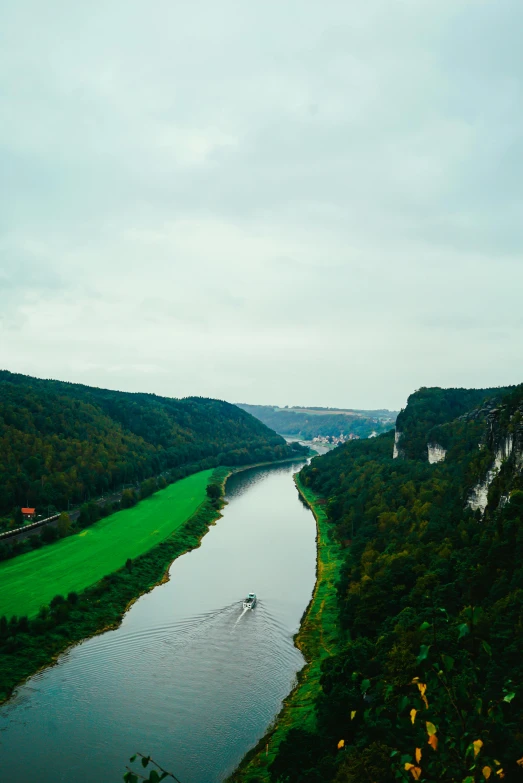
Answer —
295 203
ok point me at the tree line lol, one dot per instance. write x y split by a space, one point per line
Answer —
63 443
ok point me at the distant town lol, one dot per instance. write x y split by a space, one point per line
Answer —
337 439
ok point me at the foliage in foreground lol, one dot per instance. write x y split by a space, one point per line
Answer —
155 774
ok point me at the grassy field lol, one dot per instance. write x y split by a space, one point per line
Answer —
318 638
33 579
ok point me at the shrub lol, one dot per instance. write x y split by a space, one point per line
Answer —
129 498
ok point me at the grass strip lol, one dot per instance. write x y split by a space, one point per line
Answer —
78 561
318 638
29 646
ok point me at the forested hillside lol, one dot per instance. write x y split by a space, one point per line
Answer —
307 423
429 407
426 682
63 442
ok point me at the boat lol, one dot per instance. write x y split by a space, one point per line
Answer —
250 601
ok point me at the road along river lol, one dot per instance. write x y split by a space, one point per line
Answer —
187 677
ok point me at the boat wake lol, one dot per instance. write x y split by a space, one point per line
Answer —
245 609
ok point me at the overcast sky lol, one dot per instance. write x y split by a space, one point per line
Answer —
287 202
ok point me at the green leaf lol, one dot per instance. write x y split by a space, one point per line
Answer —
423 653
365 685
487 648
133 758
154 776
509 697
145 761
424 626
448 662
479 706
403 703
463 630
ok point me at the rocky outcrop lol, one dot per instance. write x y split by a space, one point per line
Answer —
396 451
479 496
505 440
436 453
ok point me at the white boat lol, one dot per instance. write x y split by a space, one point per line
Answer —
250 601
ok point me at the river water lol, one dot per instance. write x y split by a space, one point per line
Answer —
188 677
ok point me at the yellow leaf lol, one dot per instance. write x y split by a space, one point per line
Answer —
519 762
418 755
422 688
433 742
408 766
353 714
416 773
478 744
431 729
426 702
500 773
341 744
413 717
487 772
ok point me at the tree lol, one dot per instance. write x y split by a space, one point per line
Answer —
147 488
214 491
89 514
49 533
18 517
129 498
64 524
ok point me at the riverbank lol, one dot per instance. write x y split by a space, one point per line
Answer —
318 638
27 646
78 561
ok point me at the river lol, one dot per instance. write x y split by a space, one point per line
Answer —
187 677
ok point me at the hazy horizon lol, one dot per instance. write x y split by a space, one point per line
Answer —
285 204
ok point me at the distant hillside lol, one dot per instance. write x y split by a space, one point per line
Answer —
62 442
308 423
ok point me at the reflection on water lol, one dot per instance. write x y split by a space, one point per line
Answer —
188 677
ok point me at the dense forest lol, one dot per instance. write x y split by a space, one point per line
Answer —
308 423
426 681
63 443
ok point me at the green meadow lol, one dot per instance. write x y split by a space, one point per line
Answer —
74 563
